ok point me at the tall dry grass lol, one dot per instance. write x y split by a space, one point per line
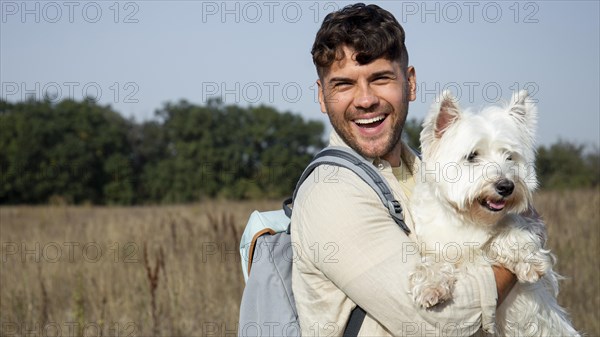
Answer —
573 221
175 270
112 271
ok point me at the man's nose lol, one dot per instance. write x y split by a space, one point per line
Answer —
365 97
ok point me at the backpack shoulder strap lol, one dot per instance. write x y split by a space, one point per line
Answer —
357 316
347 158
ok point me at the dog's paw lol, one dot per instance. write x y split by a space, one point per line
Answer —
536 265
526 272
429 297
432 284
519 247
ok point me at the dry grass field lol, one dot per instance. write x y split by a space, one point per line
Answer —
175 270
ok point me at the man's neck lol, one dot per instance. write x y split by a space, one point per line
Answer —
394 157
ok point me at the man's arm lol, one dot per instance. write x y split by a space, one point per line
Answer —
373 259
505 281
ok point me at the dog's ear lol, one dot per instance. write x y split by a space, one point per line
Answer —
443 113
523 110
448 113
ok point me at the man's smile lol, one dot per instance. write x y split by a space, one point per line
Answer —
370 122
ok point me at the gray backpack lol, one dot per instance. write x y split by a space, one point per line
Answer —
268 307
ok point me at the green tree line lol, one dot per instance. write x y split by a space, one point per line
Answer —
83 152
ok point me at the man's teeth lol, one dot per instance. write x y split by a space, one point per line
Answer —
369 120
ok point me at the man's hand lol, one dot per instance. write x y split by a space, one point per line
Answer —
505 281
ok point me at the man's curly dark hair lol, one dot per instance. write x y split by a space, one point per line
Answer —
369 30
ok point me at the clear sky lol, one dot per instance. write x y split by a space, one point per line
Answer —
137 55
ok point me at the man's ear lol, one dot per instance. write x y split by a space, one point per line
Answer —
321 96
411 78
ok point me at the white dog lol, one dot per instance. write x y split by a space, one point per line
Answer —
477 179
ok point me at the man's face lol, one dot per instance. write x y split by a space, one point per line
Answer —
367 104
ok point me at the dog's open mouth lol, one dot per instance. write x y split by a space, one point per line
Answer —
493 205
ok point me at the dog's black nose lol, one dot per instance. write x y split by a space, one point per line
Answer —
505 187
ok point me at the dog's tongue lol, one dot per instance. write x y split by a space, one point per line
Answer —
498 205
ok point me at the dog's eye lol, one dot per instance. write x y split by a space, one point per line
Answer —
509 158
471 157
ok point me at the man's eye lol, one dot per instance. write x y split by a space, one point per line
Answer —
340 84
382 79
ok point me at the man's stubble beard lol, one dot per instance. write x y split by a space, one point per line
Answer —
394 138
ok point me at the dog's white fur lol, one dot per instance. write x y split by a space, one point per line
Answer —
476 181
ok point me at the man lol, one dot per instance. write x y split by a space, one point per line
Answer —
348 251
